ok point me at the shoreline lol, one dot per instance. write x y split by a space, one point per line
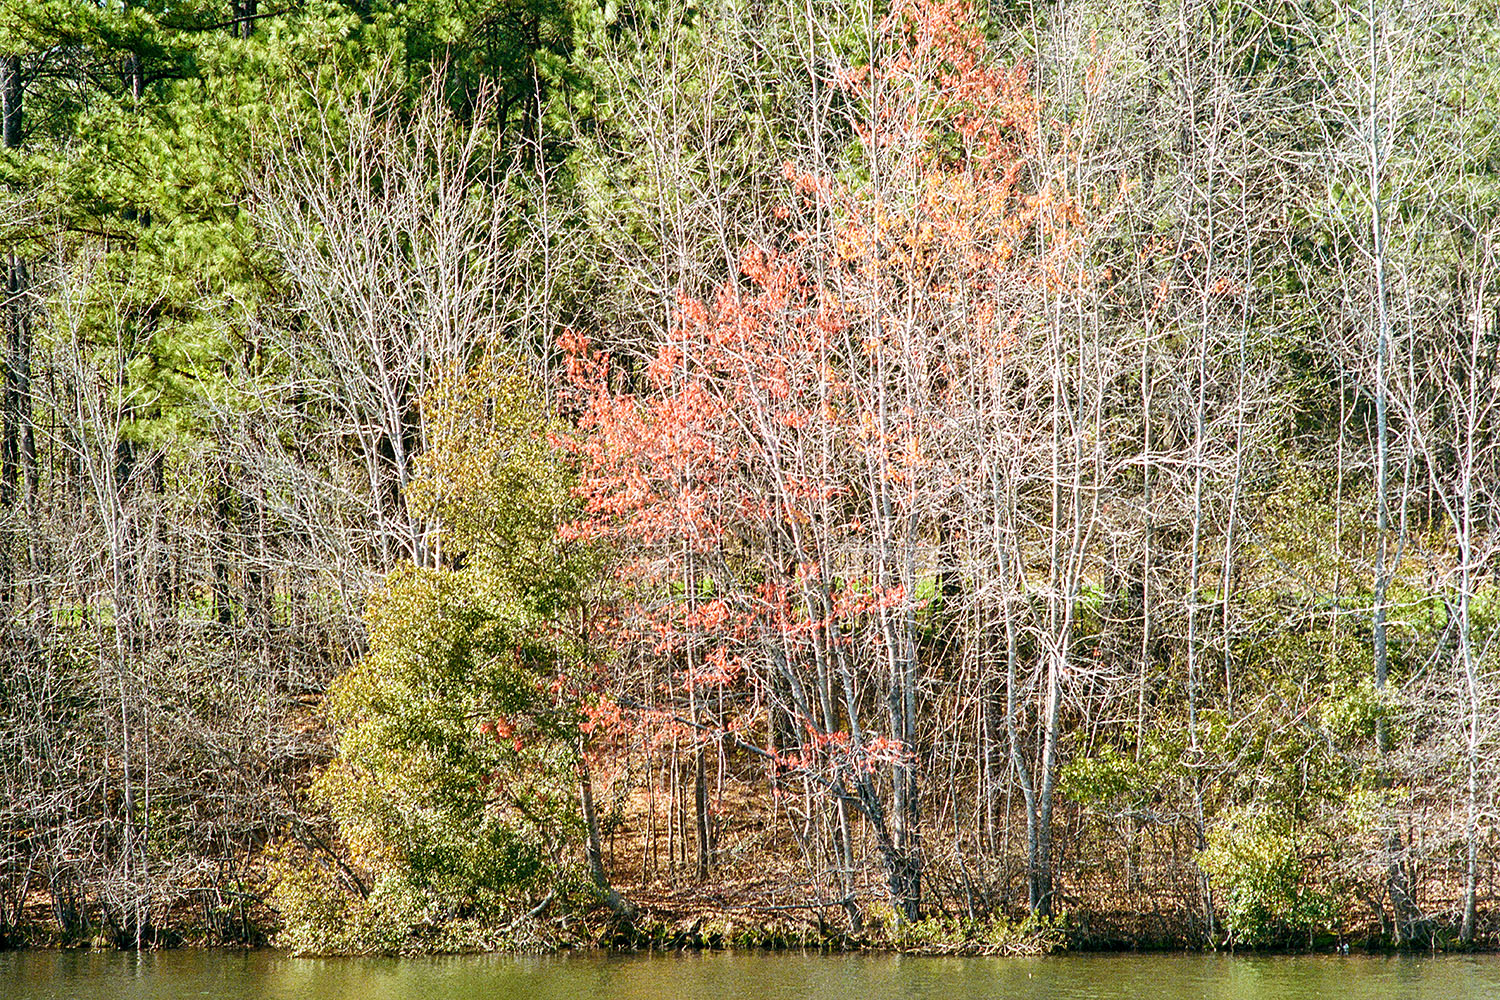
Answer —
929 938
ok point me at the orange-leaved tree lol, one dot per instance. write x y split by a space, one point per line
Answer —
792 476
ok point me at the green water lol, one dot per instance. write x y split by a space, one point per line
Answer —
743 976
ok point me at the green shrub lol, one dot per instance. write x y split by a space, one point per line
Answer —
993 935
1253 864
453 794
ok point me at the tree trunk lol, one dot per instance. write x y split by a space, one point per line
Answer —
701 814
222 546
1403 908
10 101
1041 866
244 15
618 905
12 403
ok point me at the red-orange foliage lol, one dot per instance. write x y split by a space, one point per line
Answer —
777 476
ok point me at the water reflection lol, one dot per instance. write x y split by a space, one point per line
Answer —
738 976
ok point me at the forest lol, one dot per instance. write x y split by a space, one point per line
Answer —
954 475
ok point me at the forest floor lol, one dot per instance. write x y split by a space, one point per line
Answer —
774 882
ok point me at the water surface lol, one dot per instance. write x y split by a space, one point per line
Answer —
264 975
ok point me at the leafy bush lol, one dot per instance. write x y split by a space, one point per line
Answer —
1253 864
321 916
938 934
453 792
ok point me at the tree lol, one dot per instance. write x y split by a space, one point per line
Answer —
793 466
459 732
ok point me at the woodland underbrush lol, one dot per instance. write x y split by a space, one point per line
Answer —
760 895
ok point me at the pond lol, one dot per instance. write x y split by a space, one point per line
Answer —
266 975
